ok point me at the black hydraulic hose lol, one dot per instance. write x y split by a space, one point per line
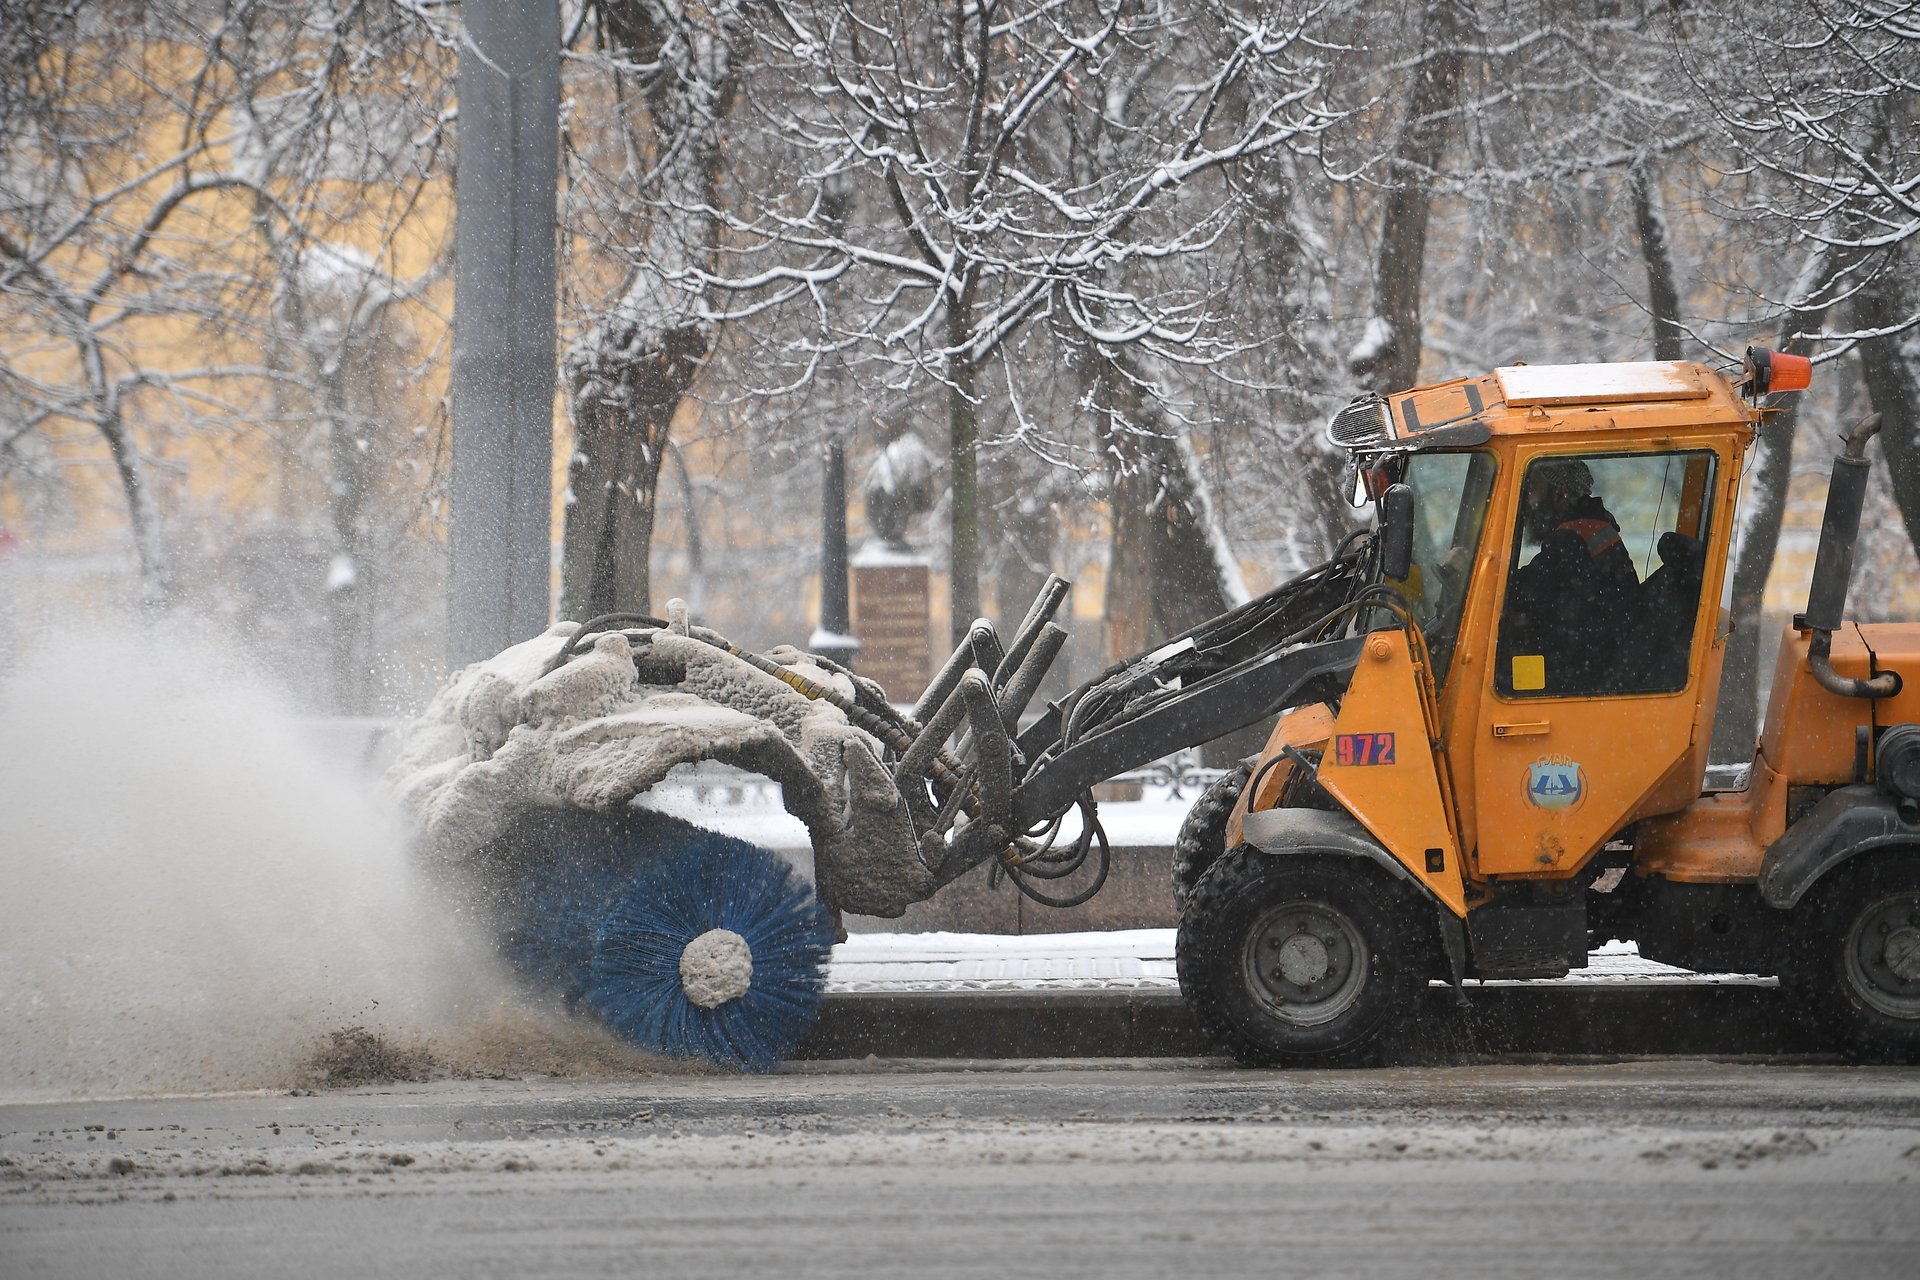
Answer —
1044 864
1820 662
1092 825
597 624
944 768
1253 783
879 707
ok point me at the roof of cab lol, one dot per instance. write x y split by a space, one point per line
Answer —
1521 399
1634 382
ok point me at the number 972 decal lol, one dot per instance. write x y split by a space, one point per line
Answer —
1362 748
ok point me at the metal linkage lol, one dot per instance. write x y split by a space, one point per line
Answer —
1039 616
1019 690
964 657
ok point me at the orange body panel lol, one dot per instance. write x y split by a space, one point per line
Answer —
1512 786
1681 786
1303 728
1808 741
1809 732
1383 767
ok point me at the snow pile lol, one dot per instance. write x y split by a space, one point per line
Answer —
610 723
195 895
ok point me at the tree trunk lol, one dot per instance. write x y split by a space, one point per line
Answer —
1189 580
1663 294
1163 574
1391 359
1321 515
156 587
1894 389
622 412
1129 599
143 519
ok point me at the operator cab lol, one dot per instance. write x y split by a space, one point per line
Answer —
1566 560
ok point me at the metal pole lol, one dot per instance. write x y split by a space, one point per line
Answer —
835 639
501 520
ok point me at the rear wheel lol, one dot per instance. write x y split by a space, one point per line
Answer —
1856 962
1296 959
1203 834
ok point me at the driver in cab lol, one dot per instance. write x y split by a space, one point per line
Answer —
1567 606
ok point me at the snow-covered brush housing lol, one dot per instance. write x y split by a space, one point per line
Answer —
515 733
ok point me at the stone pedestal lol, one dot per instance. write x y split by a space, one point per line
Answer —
892 608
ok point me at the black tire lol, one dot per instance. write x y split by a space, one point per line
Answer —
1203 834
1339 936
1854 962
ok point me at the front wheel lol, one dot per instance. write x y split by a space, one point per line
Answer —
1203 833
1296 960
1855 964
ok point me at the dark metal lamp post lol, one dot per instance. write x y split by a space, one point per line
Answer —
833 639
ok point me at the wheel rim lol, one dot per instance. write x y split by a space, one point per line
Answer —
1305 962
1883 956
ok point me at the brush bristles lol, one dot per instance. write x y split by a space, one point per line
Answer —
714 883
603 906
558 909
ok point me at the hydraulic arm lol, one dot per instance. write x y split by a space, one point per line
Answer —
1285 648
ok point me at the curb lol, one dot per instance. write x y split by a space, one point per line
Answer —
1734 1019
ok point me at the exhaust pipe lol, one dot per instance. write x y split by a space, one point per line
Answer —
1833 569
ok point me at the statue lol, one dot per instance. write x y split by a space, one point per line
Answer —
900 485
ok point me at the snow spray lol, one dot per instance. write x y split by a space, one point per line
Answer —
194 895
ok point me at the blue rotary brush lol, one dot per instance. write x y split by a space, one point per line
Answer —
712 948
557 907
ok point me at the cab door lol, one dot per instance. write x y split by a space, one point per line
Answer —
1594 687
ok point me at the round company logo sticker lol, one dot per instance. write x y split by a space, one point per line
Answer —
1556 784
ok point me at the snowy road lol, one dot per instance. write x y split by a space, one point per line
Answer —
1662 1167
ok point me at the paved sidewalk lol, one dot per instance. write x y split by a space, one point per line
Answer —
1130 959
1114 995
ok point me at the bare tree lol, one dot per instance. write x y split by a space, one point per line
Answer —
176 173
115 140
1826 125
643 174
965 131
346 134
1388 356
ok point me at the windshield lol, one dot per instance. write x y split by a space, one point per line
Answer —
1450 495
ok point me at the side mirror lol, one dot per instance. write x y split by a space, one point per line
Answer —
1396 532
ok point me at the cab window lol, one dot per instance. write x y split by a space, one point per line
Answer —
1609 552
1451 494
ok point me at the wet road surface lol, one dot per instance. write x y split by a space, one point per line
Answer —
1657 1167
